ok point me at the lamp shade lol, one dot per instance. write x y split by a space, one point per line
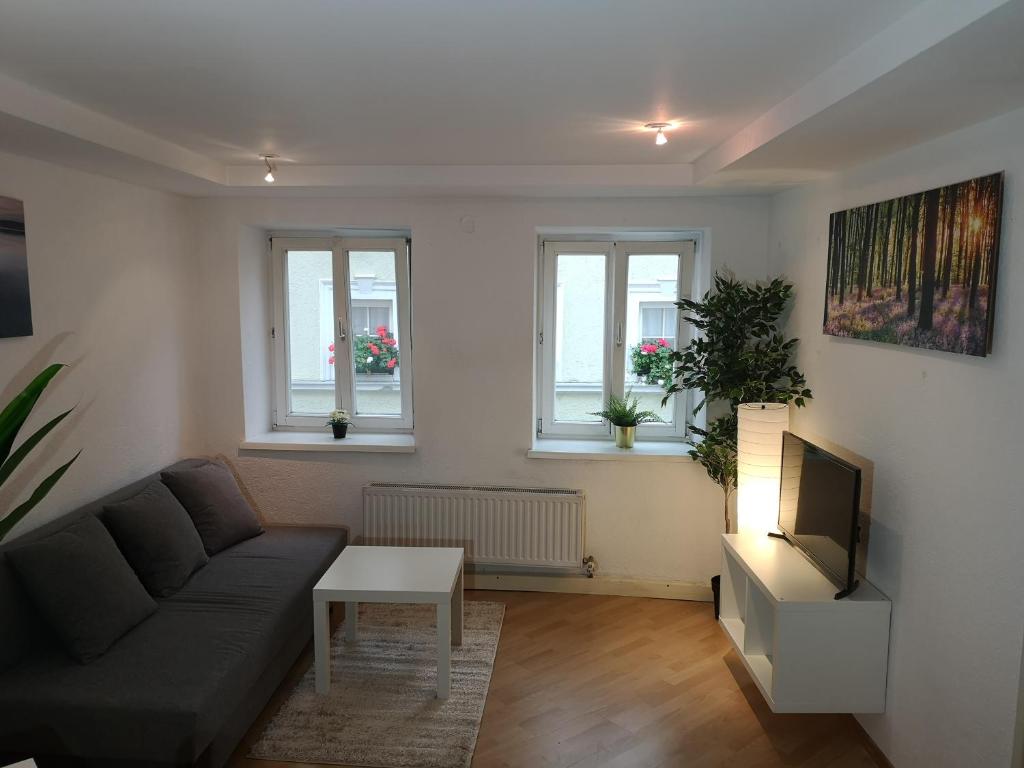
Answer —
759 464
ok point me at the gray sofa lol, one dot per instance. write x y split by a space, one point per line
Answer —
182 687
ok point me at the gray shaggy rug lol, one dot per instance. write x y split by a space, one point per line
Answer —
382 710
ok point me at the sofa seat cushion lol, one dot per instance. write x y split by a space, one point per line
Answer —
164 691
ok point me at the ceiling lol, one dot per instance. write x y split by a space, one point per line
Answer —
477 95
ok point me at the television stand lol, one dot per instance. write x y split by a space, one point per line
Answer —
838 595
805 650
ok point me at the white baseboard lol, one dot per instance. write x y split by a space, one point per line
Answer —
581 585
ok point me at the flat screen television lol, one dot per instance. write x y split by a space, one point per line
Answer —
819 504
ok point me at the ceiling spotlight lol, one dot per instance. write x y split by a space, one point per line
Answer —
660 138
269 178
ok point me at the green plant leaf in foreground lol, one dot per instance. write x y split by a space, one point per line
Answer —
7 523
7 467
13 417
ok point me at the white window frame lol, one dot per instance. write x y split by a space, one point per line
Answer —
617 254
551 326
344 383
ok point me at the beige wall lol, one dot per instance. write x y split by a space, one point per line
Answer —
113 274
473 401
944 433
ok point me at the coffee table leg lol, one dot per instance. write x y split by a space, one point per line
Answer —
444 649
351 620
322 644
457 612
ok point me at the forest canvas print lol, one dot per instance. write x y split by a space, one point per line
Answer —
918 270
15 307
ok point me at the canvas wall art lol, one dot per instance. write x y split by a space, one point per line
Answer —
918 270
15 305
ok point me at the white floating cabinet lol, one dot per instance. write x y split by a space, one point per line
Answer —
807 651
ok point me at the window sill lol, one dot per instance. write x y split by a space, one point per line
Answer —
324 442
594 450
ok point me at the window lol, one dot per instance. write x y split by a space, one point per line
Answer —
658 321
608 323
346 348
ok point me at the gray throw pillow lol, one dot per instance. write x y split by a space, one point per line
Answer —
213 500
157 538
82 586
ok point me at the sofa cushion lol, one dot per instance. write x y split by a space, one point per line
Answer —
157 538
164 691
83 587
23 629
213 500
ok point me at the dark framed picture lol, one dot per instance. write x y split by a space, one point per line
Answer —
918 270
15 302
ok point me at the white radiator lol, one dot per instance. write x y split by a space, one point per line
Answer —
496 526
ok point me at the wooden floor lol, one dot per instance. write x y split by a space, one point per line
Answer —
588 680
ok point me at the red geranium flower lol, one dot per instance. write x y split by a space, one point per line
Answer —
374 348
648 349
392 362
389 341
330 360
330 347
662 343
382 330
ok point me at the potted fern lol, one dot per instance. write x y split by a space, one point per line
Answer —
625 416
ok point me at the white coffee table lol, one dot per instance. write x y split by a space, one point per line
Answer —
390 575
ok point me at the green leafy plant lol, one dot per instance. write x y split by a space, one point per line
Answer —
625 411
740 355
12 418
376 353
372 352
652 362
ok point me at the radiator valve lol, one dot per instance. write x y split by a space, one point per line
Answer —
589 565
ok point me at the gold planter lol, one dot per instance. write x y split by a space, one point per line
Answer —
624 436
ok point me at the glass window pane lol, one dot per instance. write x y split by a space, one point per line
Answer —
310 332
378 316
375 342
651 317
579 337
650 329
360 319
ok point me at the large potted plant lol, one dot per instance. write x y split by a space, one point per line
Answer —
625 416
12 419
739 355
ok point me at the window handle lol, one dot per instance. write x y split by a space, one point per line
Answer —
342 336
618 334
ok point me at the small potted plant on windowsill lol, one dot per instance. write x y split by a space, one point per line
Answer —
339 421
625 415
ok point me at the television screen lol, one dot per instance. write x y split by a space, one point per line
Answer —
819 498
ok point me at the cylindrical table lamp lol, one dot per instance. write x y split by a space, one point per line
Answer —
759 464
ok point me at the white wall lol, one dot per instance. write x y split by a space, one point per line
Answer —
112 269
473 399
944 432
